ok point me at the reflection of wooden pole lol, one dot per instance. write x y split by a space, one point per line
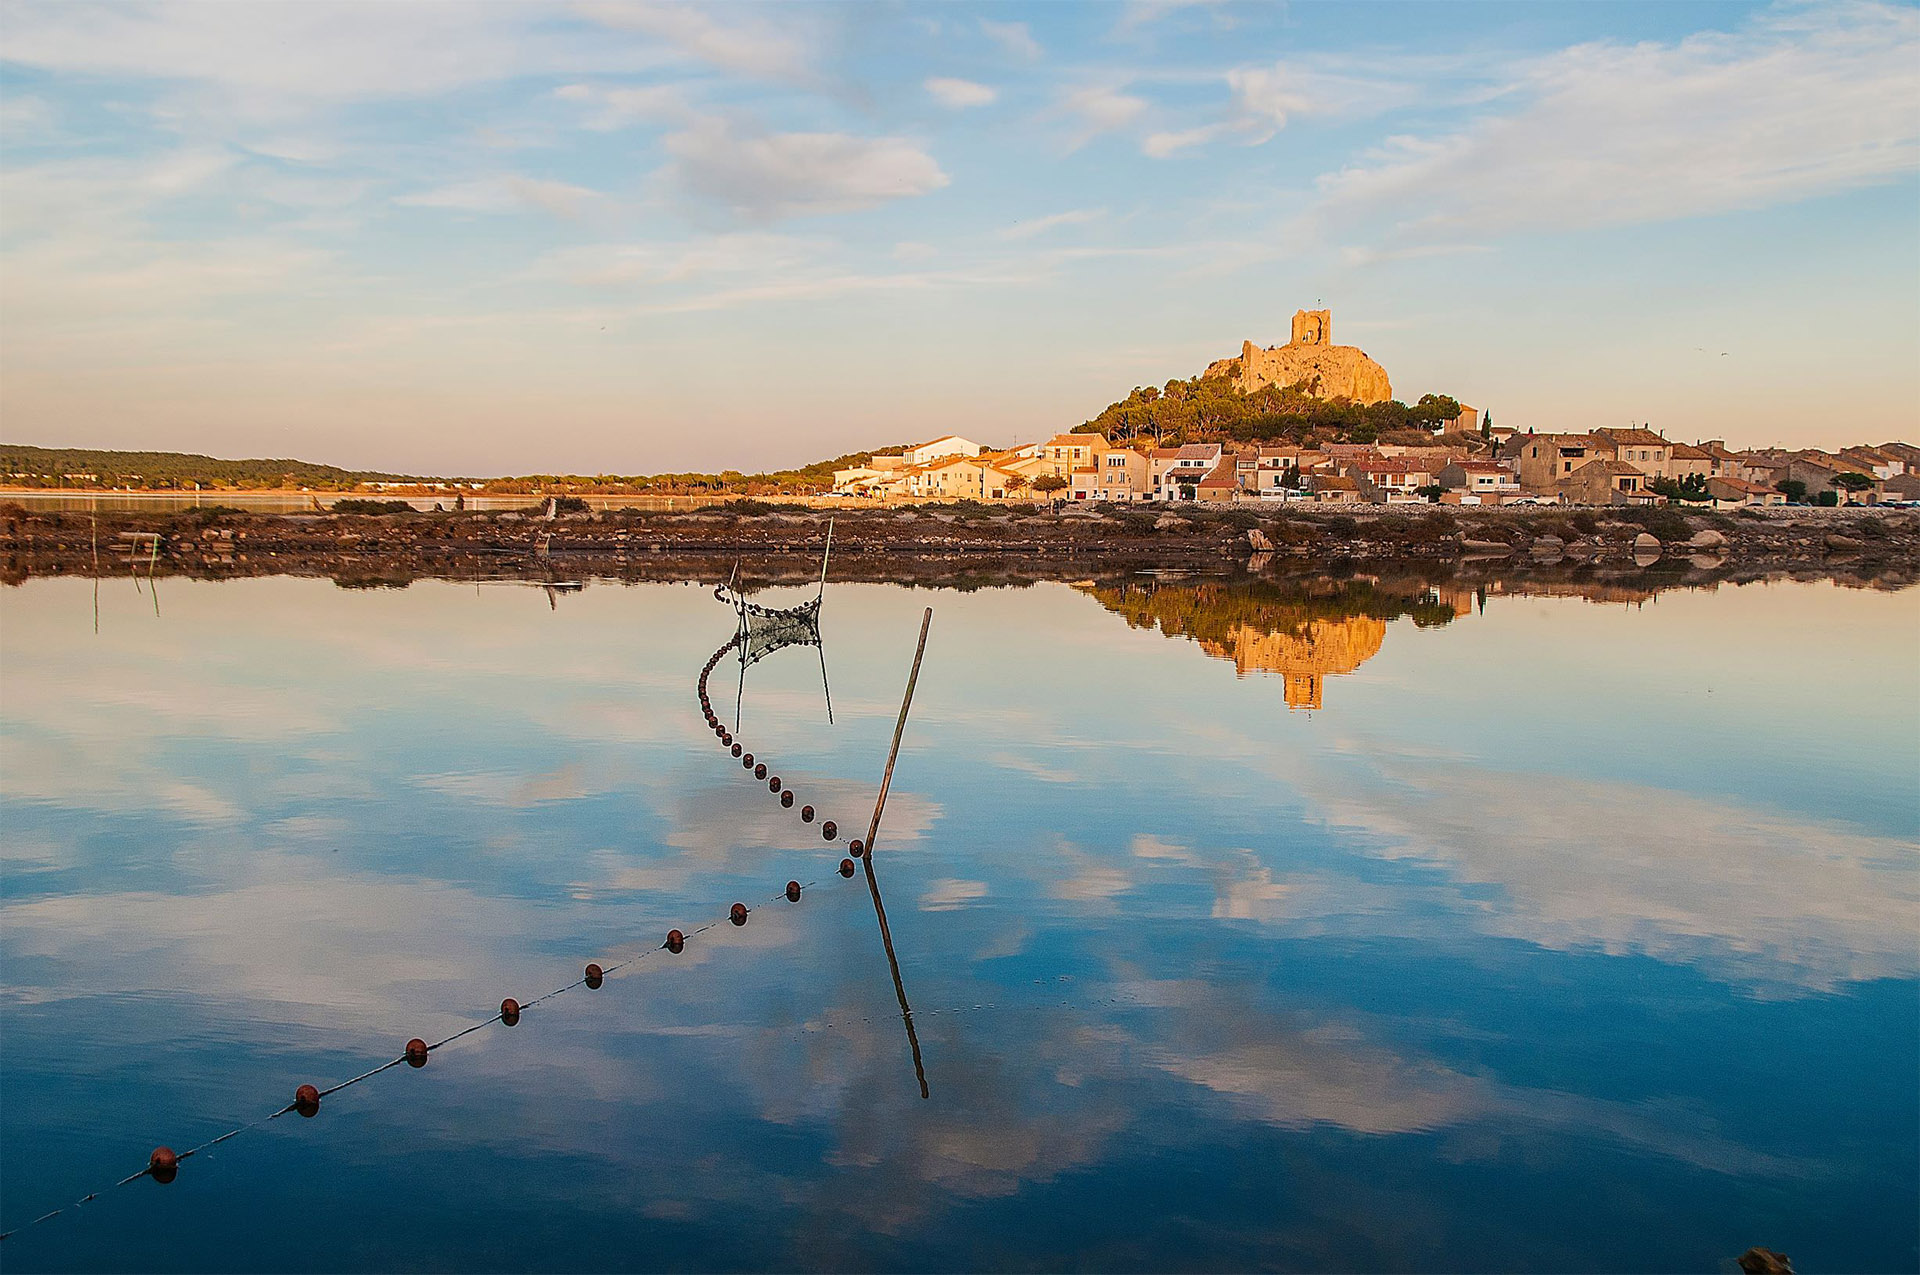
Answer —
873 882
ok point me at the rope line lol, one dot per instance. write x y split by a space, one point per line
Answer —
156 1166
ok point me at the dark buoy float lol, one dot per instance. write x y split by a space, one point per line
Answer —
806 814
773 784
595 976
793 891
857 848
509 1011
416 1052
738 914
676 941
846 867
163 1164
760 771
306 1101
786 798
827 830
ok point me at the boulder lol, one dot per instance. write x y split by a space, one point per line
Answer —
1644 544
1258 539
1546 546
1764 1261
1170 522
1708 539
1484 546
1844 544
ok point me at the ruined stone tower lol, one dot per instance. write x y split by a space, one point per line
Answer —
1311 362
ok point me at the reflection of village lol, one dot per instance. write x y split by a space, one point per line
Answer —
1310 629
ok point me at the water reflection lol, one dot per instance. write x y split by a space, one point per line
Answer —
1305 632
1623 980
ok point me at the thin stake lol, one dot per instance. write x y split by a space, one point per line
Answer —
873 882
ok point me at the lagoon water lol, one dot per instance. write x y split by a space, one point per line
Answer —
1244 926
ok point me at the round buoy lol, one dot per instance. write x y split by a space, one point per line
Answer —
806 814
793 891
846 867
773 784
738 914
595 976
509 1011
827 830
736 747
760 771
163 1164
786 798
416 1052
675 941
857 848
306 1101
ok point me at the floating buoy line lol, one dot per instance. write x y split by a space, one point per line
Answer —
163 1163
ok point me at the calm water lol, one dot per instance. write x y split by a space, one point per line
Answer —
1243 927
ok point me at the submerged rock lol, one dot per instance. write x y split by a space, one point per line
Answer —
1764 1261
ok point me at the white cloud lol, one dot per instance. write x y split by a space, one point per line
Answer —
507 194
1165 144
1040 225
732 39
1101 109
1805 102
773 175
1014 38
277 59
24 117
617 108
959 94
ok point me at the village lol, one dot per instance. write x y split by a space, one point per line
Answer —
1468 465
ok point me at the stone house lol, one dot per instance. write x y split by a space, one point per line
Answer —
1334 489
1390 480
1738 493
1481 478
1605 482
1542 460
1645 450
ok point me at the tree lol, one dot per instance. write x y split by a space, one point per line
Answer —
1853 482
1050 483
1794 490
1431 492
1827 498
1691 488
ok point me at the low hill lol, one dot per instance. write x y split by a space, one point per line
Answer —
52 467
1210 409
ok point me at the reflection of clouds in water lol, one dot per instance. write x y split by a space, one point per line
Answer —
949 894
1745 894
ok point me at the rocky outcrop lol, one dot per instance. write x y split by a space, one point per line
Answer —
1311 361
1325 371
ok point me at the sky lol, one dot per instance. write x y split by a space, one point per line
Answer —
642 237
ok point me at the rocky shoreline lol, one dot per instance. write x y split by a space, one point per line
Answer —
988 544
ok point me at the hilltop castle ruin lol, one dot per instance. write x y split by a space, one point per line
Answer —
1311 361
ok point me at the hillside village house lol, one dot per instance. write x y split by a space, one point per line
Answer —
1738 493
1645 450
1479 482
1606 466
1182 469
951 445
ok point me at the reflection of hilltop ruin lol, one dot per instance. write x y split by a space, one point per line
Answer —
1302 633
1302 659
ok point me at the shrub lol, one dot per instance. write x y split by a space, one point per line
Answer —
1658 521
1585 523
1343 526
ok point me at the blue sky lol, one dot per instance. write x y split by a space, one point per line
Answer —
639 237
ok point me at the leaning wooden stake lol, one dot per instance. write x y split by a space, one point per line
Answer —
873 831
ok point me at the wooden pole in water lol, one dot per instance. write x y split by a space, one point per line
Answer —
873 831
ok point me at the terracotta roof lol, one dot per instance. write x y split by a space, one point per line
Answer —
1333 482
1222 476
1199 451
1634 437
1480 467
1687 451
1741 484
